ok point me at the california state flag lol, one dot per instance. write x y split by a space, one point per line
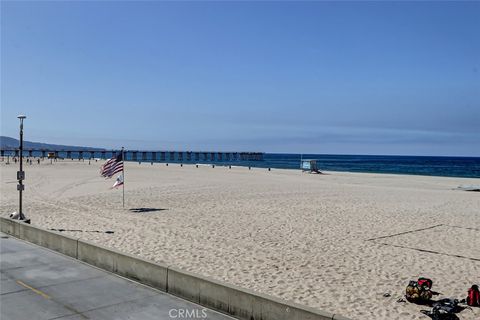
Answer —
118 182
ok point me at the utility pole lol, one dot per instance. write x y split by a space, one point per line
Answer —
21 173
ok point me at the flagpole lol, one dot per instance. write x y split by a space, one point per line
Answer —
123 174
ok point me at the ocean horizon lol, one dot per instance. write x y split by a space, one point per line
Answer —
445 166
466 167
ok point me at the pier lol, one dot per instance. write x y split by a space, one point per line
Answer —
139 155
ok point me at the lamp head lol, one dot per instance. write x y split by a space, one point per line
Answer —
21 116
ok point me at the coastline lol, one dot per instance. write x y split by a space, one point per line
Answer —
442 166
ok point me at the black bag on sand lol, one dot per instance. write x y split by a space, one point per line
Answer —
444 309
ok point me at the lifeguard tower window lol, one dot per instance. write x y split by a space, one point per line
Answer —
309 165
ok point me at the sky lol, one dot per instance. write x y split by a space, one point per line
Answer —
399 78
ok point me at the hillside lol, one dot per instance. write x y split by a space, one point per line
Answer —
12 143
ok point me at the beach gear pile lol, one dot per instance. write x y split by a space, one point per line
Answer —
420 292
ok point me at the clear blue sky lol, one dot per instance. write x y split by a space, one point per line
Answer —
311 77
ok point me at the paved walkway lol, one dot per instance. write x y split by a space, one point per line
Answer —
37 283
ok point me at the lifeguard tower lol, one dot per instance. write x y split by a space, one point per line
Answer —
309 165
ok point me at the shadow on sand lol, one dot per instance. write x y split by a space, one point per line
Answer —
143 210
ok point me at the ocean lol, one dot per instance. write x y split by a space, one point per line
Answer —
468 167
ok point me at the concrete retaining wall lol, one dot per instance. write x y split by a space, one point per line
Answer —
8 226
129 266
238 302
48 239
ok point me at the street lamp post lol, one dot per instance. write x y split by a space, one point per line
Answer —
21 173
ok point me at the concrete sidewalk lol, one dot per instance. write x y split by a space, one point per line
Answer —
37 283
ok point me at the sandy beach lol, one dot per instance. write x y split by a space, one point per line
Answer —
327 241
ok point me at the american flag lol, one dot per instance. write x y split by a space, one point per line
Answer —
112 166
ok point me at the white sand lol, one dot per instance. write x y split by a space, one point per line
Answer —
297 236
